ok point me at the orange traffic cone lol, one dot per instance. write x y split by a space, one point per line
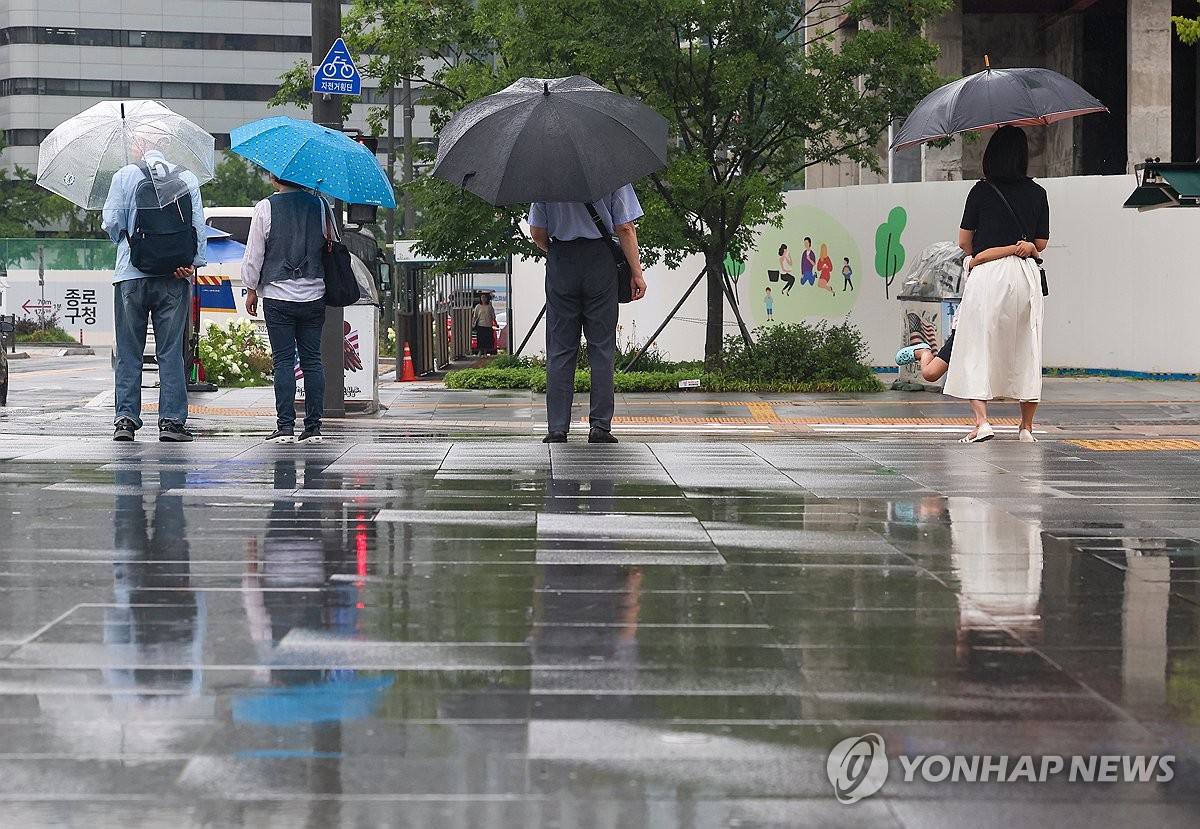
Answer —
406 373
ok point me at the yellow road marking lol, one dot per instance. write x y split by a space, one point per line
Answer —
17 375
1153 445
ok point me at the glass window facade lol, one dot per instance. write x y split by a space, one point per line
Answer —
154 40
154 90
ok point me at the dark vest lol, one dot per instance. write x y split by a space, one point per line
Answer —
297 233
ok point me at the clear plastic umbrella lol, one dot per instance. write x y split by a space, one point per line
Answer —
78 158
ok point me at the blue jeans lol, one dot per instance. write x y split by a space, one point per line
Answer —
164 301
292 327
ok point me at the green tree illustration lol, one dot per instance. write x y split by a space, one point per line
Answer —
889 253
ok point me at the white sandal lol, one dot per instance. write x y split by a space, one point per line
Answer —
979 434
1026 436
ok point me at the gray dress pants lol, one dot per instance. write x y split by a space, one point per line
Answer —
581 296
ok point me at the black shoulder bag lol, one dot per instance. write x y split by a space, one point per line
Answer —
624 272
1024 238
341 285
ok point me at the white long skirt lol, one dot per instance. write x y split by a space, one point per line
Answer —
998 344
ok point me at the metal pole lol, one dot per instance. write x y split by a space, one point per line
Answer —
42 285
409 218
670 317
392 320
508 299
529 333
327 110
732 298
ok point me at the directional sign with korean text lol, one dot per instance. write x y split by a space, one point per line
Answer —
337 74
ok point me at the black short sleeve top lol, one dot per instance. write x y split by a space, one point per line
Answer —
986 215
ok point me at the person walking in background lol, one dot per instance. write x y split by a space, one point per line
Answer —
998 353
825 269
581 296
785 270
282 262
847 272
154 213
483 318
808 263
769 302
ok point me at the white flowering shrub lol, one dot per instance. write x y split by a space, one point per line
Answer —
235 355
387 343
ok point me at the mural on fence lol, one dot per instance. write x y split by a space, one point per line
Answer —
802 269
889 252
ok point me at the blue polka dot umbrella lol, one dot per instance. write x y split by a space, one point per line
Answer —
314 156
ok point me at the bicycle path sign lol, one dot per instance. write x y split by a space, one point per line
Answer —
337 74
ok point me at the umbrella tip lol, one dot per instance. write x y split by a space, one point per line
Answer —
545 87
987 62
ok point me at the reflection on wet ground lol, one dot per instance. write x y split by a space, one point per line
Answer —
499 633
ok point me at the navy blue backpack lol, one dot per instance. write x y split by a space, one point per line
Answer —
163 237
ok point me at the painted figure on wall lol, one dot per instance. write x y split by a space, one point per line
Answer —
847 272
785 270
778 247
808 263
825 269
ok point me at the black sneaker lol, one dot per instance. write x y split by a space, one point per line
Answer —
555 437
123 429
601 436
310 435
282 436
171 432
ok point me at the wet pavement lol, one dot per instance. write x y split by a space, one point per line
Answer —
432 619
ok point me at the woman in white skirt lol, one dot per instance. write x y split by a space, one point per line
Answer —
998 346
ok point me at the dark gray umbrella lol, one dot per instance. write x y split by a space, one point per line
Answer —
994 98
555 140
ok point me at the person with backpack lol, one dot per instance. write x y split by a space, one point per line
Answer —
154 214
283 265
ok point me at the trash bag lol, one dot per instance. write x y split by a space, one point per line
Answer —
936 272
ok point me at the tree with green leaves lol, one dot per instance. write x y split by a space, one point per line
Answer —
25 207
1187 28
756 92
237 183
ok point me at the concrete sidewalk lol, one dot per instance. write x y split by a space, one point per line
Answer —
1074 408
432 618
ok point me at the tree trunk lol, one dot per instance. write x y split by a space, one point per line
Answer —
715 331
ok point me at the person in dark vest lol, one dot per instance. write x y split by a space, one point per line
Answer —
282 263
140 298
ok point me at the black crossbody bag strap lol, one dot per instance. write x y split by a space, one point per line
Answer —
624 287
1024 237
1011 212
605 233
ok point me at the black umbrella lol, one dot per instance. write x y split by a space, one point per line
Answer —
555 140
995 98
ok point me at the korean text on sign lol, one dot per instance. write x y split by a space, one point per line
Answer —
80 304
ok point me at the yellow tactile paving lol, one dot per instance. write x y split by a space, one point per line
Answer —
1149 445
762 411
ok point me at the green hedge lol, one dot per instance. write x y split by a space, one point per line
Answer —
534 378
818 358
